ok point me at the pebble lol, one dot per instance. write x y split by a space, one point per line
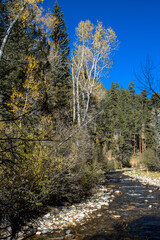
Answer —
47 215
145 180
46 231
116 216
68 232
99 215
61 217
117 192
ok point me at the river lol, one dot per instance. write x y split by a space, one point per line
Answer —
134 214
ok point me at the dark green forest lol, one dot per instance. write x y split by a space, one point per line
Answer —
60 129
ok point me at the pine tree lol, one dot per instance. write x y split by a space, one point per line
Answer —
59 35
146 115
22 43
60 82
3 18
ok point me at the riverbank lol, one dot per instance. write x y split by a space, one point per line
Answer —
144 176
133 213
63 218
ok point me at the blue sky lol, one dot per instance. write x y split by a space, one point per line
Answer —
137 26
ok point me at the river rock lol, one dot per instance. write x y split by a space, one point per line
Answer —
45 231
68 232
62 217
116 216
47 215
117 192
81 215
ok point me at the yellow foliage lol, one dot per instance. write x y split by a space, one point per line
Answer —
92 56
99 92
96 36
24 6
84 30
45 126
104 38
21 101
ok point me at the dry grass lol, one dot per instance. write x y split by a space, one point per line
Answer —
144 173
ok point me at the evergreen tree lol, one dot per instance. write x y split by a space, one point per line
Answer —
59 35
146 115
22 43
60 80
3 19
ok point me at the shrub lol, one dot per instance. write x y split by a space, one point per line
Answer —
150 160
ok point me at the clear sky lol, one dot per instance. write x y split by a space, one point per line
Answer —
137 26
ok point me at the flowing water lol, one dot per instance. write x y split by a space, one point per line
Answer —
133 214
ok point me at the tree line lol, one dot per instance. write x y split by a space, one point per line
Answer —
60 129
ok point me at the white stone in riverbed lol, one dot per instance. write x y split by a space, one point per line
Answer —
38 233
99 215
81 215
150 191
47 215
117 192
150 206
98 206
116 216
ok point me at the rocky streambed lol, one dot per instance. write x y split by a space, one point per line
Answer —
62 219
143 179
123 208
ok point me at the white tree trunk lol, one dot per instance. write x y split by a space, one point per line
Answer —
87 106
74 96
10 30
78 104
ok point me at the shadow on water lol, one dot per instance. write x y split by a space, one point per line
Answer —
144 228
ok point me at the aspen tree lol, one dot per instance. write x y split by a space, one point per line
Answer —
92 59
18 10
22 101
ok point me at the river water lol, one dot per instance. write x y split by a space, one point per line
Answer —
134 214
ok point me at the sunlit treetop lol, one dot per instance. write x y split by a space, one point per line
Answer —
96 36
23 6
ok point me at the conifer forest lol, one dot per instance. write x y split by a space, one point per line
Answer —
60 129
